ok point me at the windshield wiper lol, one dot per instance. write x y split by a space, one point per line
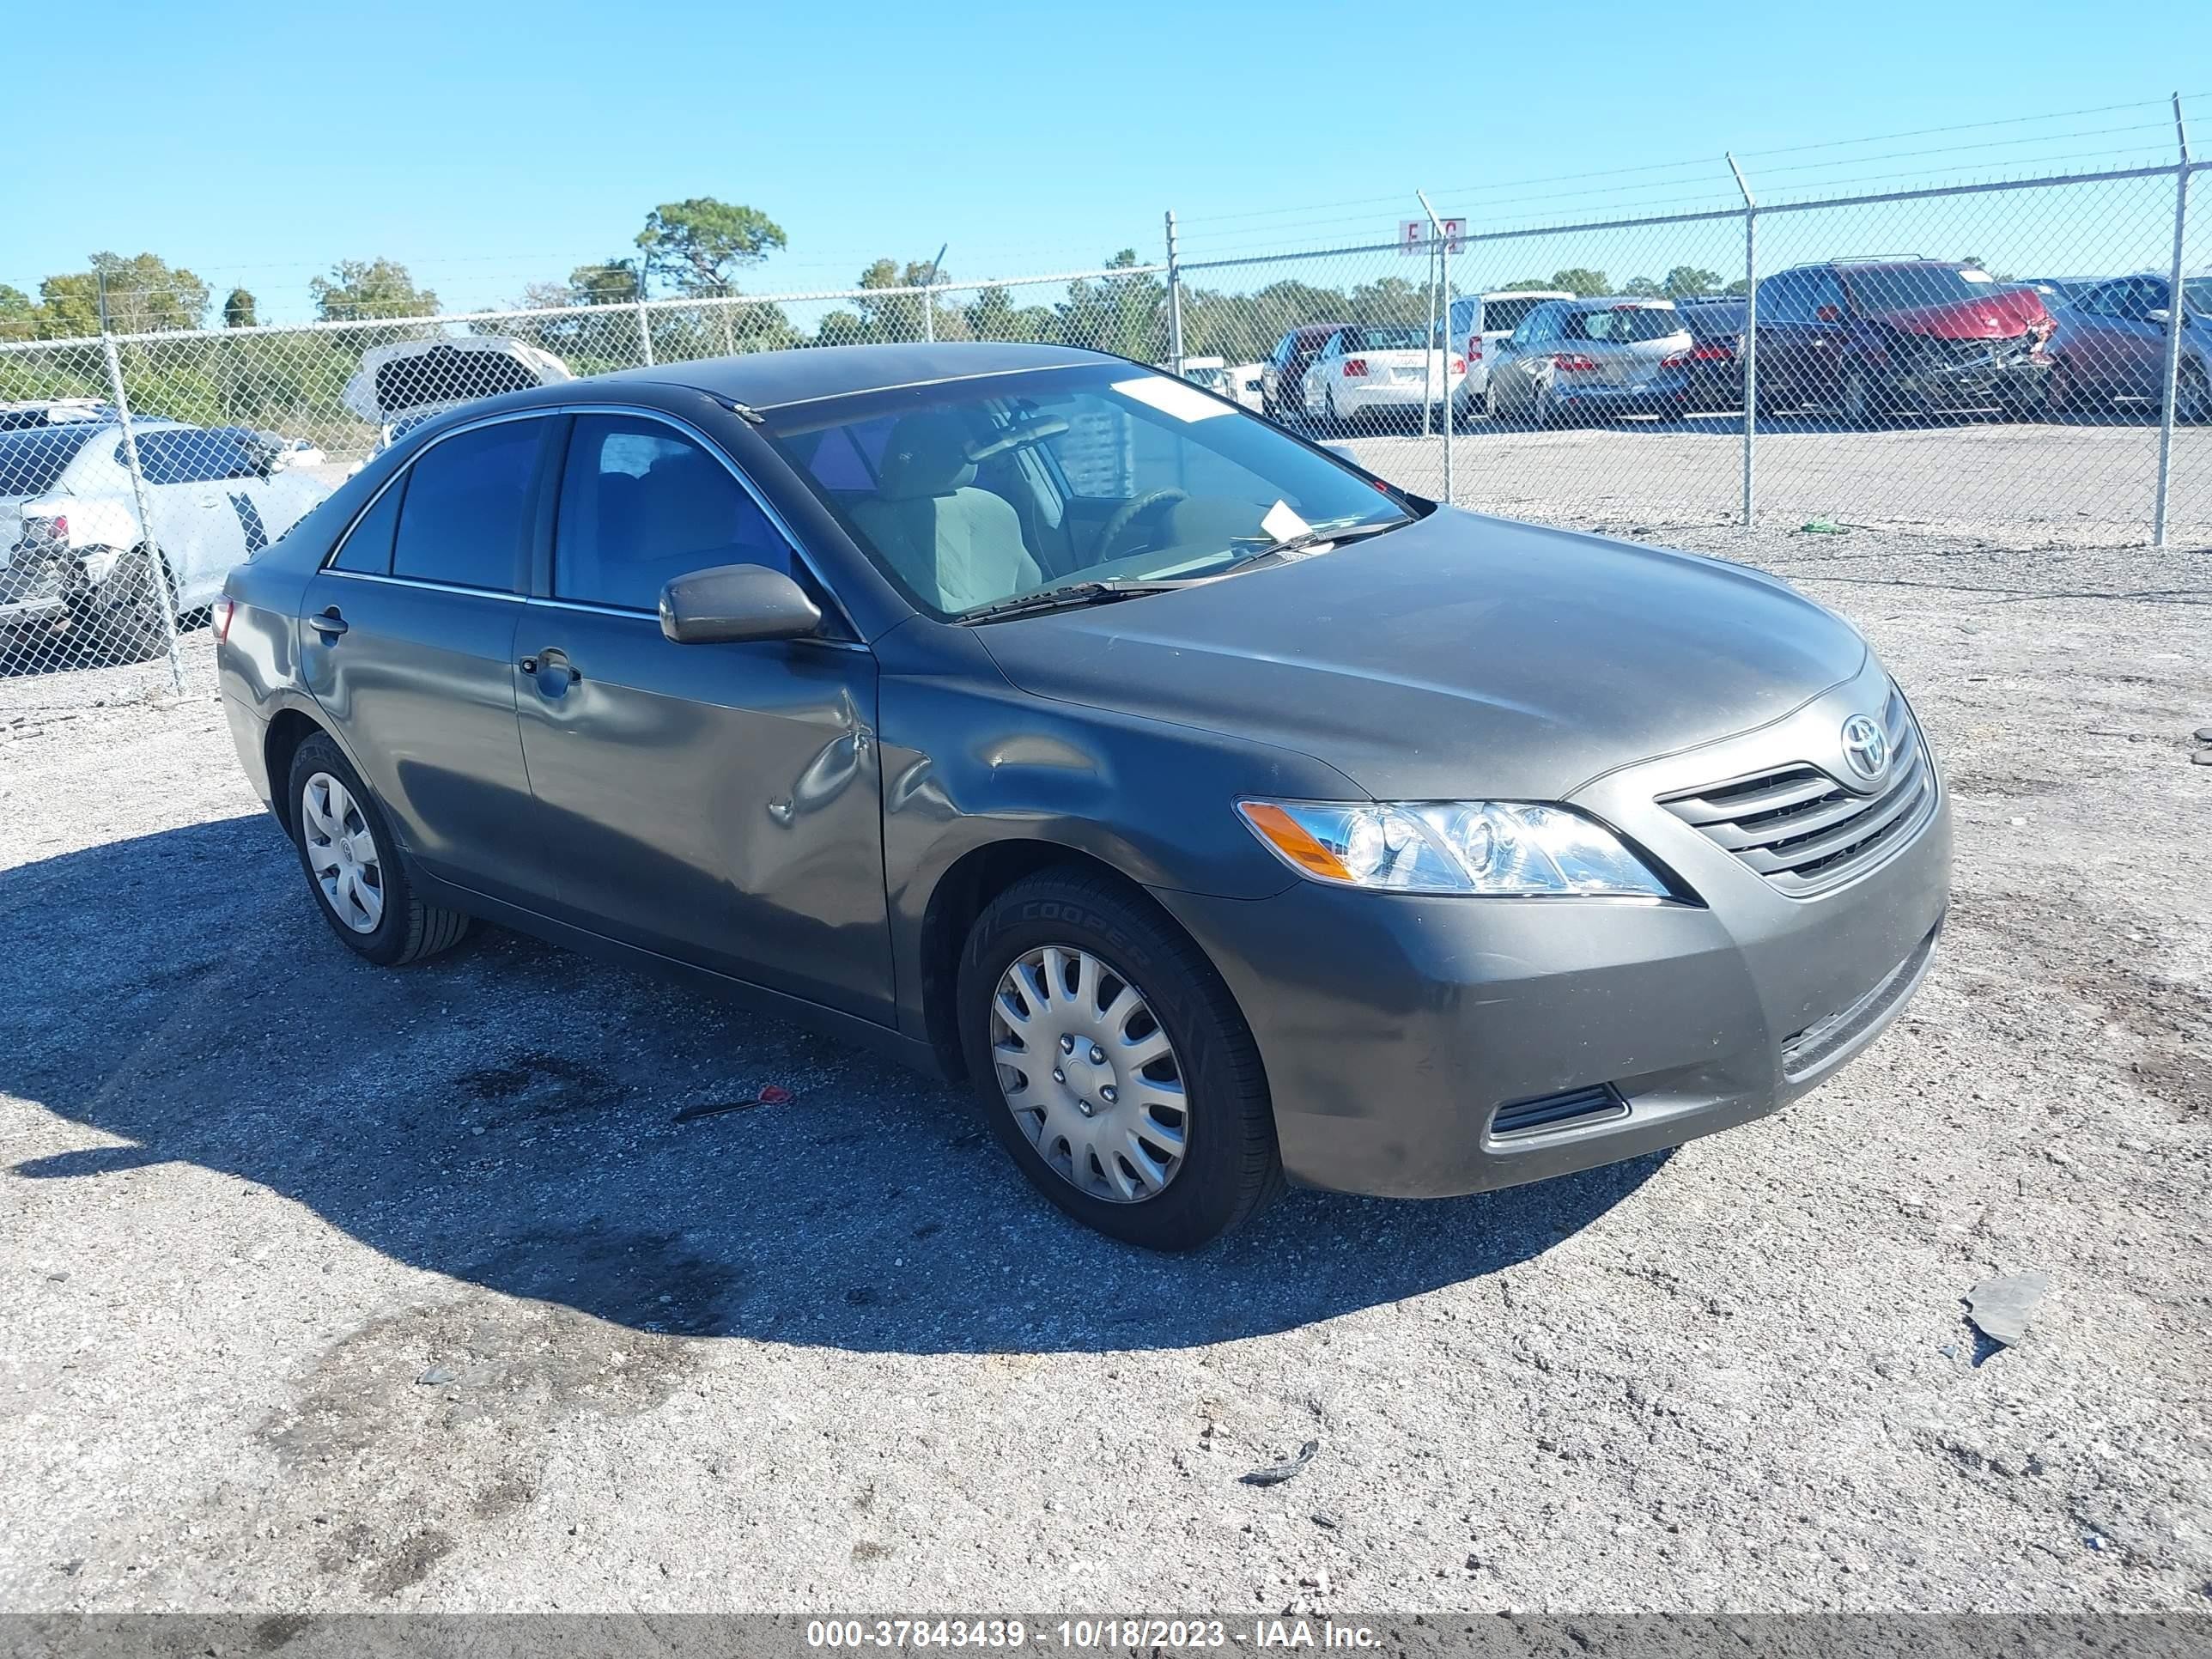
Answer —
1068 596
1308 538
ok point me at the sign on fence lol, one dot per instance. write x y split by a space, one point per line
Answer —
1414 236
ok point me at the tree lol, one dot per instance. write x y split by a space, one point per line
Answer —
240 309
1580 281
144 294
612 281
697 246
1644 287
1691 282
899 316
19 314
993 316
370 288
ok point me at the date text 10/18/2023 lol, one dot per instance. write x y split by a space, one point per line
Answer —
1082 1634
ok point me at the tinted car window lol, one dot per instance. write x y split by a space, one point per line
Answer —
1506 315
33 462
641 504
189 455
367 546
466 518
1907 288
1384 337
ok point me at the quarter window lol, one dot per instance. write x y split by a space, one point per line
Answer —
641 504
367 549
466 516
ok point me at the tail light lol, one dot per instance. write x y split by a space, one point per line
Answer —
223 610
1459 365
53 529
1474 348
1571 362
1711 352
1355 368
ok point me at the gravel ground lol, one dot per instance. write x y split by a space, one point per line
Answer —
326 1287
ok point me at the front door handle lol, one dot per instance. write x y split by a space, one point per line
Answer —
552 671
328 624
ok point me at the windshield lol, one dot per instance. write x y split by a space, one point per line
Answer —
1625 324
971 494
1908 288
33 462
2197 293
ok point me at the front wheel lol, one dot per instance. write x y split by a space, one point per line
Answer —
1113 1064
354 865
2192 396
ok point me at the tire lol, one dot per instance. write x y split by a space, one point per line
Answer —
1230 1168
2060 397
134 621
405 928
2192 396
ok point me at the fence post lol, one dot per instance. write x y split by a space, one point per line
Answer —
2171 390
929 296
644 321
1442 331
1750 342
156 565
1175 299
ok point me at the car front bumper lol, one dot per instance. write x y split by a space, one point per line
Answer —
1394 1028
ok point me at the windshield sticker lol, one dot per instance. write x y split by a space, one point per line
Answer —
1176 398
1282 523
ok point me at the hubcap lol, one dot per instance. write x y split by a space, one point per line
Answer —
1088 1073
342 852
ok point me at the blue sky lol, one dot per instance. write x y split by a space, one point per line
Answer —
487 147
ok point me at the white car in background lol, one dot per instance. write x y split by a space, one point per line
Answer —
1478 322
1246 385
400 386
72 545
1372 369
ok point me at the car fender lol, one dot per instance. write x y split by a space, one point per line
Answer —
969 761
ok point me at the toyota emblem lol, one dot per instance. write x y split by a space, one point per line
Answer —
1866 746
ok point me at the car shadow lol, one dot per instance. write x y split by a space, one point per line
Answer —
506 1115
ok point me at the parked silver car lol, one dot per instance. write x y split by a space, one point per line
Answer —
1580 359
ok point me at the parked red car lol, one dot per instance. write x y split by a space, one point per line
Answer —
1877 339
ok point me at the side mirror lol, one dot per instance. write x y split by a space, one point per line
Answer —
2157 315
736 602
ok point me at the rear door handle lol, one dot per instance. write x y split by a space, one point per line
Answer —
330 624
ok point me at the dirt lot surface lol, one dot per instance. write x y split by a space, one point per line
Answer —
322 1286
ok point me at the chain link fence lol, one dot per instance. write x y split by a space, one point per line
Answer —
1853 362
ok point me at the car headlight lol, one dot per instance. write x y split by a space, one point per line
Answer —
1505 848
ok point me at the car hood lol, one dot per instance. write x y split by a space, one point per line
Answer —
1460 656
414 376
1999 315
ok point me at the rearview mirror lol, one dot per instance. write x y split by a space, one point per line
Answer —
737 602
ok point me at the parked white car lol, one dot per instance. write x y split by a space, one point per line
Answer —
1478 322
1374 368
1247 383
399 387
72 545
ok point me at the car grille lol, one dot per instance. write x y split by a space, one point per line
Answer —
1804 831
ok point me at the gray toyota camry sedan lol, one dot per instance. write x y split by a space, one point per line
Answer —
1223 815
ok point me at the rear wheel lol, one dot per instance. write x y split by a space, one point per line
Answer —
1113 1064
2192 396
135 620
358 873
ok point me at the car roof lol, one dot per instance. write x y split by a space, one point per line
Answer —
767 380
1622 302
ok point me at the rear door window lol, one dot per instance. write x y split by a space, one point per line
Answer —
189 455
367 549
466 516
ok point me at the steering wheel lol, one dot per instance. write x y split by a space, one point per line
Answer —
1127 514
